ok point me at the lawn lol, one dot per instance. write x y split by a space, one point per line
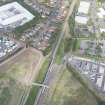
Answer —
69 91
76 44
60 53
14 83
34 90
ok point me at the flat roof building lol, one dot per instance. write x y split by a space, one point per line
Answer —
83 10
84 7
101 13
81 20
102 30
13 14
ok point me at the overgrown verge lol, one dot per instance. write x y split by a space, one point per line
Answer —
34 90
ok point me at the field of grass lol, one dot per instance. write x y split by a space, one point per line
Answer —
40 79
69 91
60 54
14 83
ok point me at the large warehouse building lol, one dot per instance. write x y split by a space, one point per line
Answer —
14 15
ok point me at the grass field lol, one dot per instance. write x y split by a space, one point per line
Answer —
69 91
15 81
34 90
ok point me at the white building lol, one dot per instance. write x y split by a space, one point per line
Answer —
102 30
101 13
13 14
84 7
81 20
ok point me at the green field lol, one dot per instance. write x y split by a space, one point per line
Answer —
34 90
69 91
14 82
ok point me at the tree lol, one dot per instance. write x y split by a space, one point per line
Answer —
98 50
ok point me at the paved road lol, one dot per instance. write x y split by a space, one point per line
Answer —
42 93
